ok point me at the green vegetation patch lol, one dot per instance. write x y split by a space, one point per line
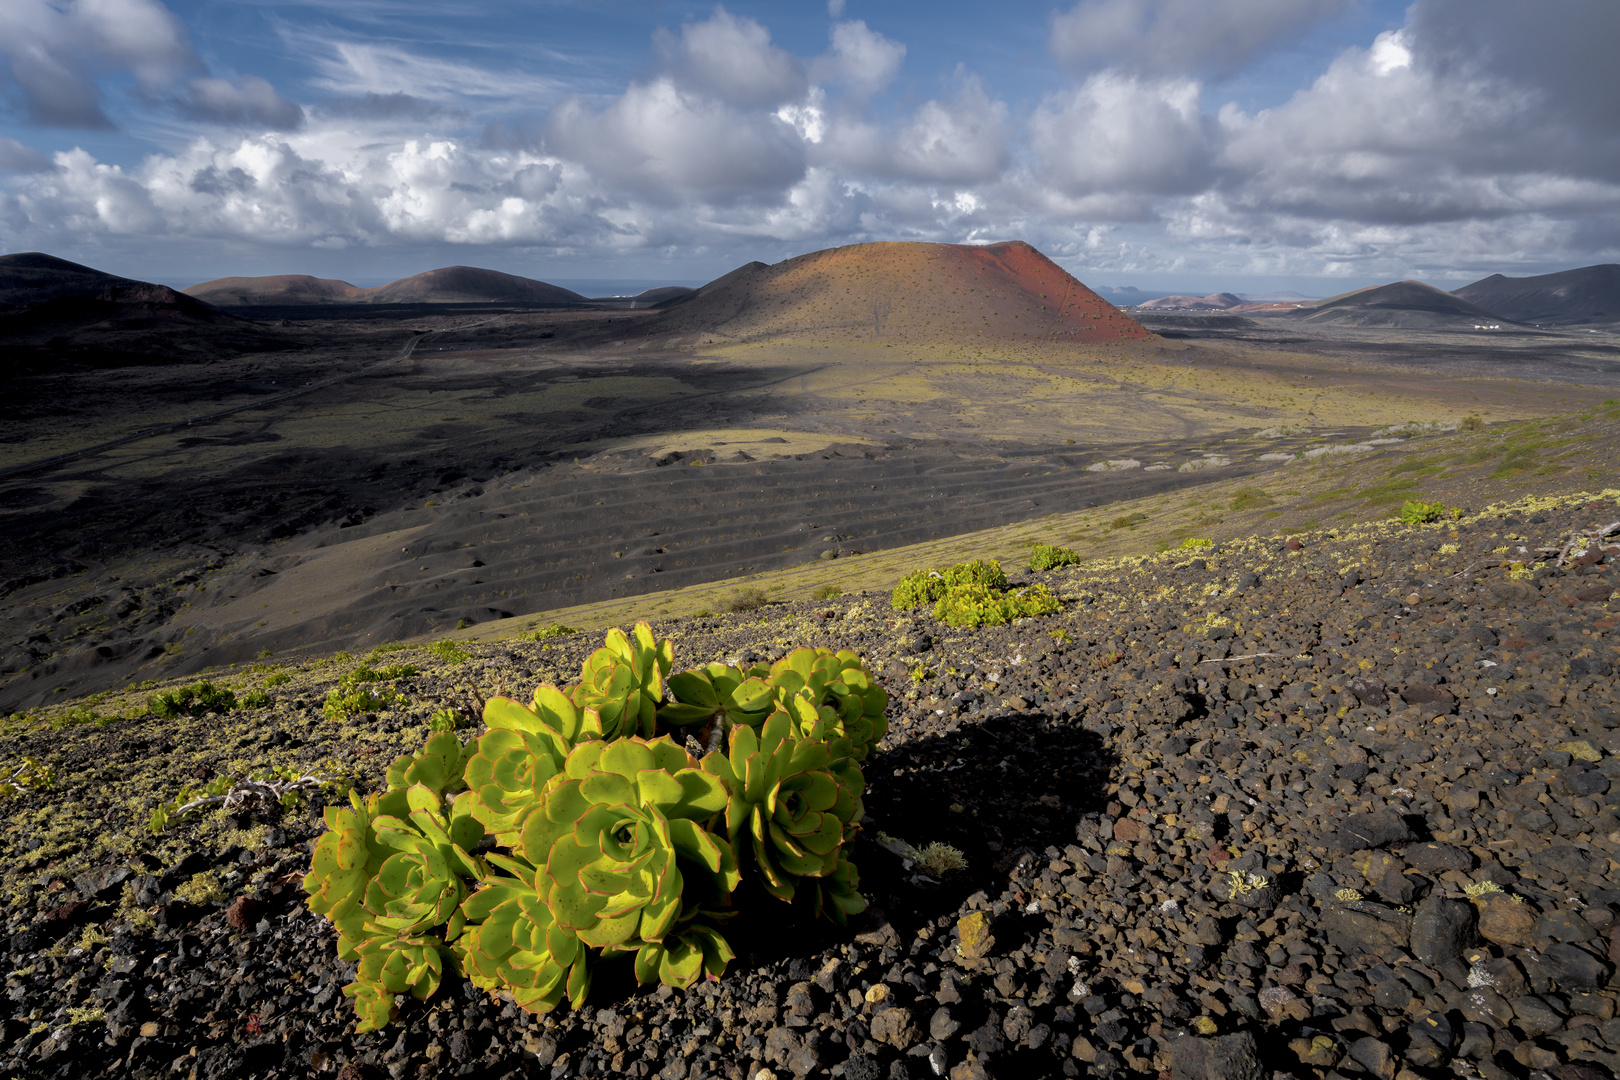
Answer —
1250 498
1045 557
195 701
977 605
929 586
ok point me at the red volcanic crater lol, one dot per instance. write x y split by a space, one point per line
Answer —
905 292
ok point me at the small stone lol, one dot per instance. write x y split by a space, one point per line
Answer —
242 913
1233 1057
942 1025
1322 1051
1436 858
1505 922
1441 930
1359 931
974 940
897 1027
1375 1056
1572 967
1372 830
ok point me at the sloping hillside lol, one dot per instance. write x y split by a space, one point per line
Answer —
1403 304
1590 294
277 289
904 292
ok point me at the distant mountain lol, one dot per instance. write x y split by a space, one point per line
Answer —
1212 302
53 311
1411 305
1590 294
661 295
902 292
276 290
446 285
467 285
1283 296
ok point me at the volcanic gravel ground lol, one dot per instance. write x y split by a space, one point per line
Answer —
1230 814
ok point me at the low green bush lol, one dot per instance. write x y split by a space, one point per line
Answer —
1414 512
826 592
644 847
449 652
196 701
1045 557
977 605
555 630
747 598
927 586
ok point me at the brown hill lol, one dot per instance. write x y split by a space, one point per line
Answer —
1411 305
54 311
1212 302
446 285
1590 294
904 292
275 290
467 285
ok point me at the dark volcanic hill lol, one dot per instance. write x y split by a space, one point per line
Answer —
899 291
1411 305
1590 294
276 290
467 285
54 311
446 285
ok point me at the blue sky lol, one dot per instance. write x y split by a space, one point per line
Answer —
1250 145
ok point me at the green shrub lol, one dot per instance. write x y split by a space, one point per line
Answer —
254 699
977 605
1414 512
1473 422
826 592
280 678
1128 521
747 598
645 847
555 630
196 701
1045 557
28 776
927 586
1193 543
449 652
1249 498
353 694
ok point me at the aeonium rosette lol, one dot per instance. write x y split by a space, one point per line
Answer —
627 863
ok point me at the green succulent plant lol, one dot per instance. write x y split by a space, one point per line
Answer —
976 605
612 834
1046 556
512 942
624 681
523 748
838 688
798 797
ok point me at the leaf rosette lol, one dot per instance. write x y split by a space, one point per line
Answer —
798 798
624 681
512 942
620 838
523 747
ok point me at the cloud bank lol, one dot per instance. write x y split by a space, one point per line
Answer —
1466 139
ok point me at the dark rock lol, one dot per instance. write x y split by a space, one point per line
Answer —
1375 1056
1533 1016
1436 858
1441 930
242 913
896 1026
1374 830
1369 691
1572 967
1431 700
1360 930
1560 925
1233 1057
799 1053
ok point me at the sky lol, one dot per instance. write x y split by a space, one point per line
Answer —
1172 145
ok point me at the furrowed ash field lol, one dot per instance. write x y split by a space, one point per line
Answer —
1330 805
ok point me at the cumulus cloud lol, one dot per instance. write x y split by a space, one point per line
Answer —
1119 133
54 53
861 60
731 59
667 144
961 139
1182 37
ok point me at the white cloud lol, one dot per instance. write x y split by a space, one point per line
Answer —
669 145
861 60
56 51
360 69
1182 37
1123 134
731 59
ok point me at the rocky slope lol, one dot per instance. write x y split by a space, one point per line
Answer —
1331 806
